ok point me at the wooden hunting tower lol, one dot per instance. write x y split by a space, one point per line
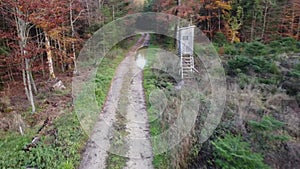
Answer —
186 50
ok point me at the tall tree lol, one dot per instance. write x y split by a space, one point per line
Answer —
17 13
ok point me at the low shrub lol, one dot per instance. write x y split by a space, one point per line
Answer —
220 39
255 49
265 133
288 45
232 152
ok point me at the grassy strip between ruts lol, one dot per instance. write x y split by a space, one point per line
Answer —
118 144
60 150
160 161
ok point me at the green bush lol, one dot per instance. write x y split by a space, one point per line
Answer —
229 49
258 64
274 47
220 39
264 132
255 49
231 152
289 45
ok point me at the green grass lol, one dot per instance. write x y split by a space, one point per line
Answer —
105 74
116 162
62 151
160 161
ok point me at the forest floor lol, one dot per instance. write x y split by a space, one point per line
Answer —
50 104
121 135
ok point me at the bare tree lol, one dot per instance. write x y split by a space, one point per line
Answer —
23 28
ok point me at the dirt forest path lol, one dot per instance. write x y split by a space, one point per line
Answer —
125 103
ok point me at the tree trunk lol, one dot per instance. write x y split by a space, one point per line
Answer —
100 3
253 23
25 83
113 12
49 56
298 30
42 61
22 31
293 20
88 12
40 42
219 17
73 35
27 67
35 91
61 56
176 40
265 21
10 72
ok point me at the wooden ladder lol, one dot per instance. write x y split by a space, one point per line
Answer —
187 67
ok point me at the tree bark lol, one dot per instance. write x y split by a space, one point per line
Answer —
35 91
49 56
25 83
293 20
88 12
72 20
265 20
219 17
298 30
61 56
22 31
27 67
113 12
253 23
40 42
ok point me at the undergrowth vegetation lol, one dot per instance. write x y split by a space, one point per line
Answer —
254 126
60 147
155 80
233 151
58 150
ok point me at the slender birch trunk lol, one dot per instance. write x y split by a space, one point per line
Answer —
35 91
25 83
22 30
49 56
265 21
73 35
29 84
39 42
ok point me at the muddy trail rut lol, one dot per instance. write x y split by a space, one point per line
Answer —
122 128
